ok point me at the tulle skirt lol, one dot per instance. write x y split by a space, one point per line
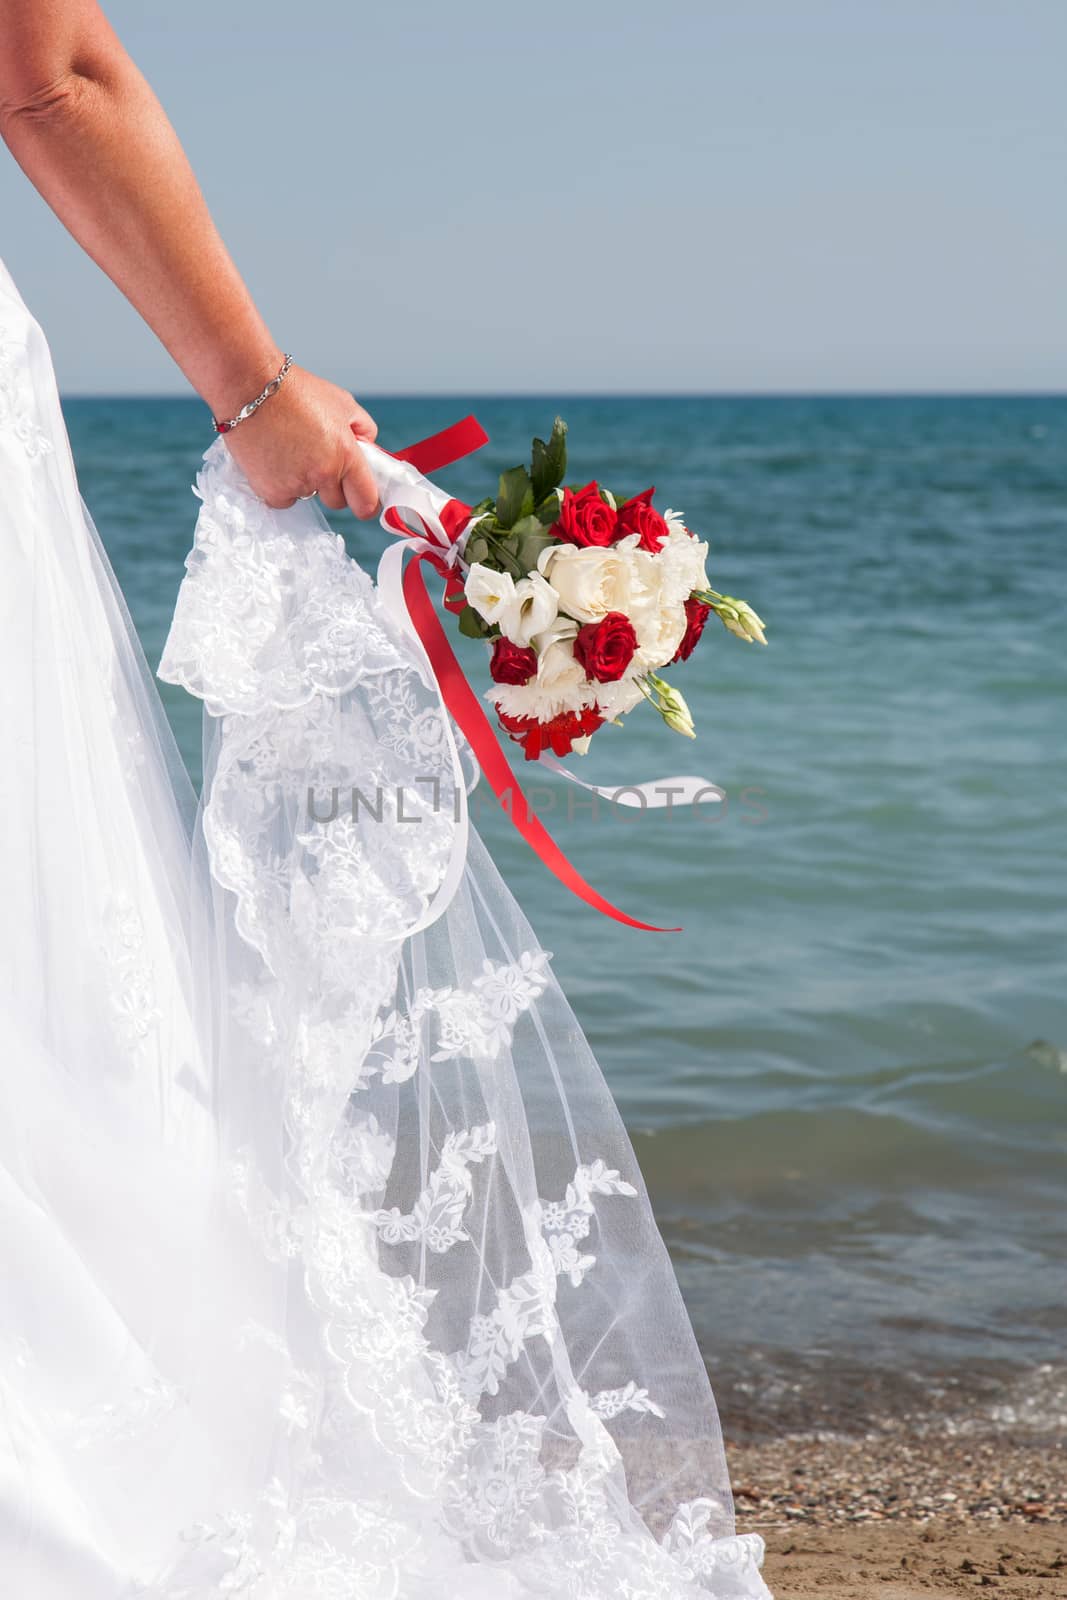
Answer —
329 1269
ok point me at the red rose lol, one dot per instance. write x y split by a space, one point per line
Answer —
584 518
640 516
511 663
696 614
606 648
557 735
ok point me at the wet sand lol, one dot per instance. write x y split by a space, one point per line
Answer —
887 1517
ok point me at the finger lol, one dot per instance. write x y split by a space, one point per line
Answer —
364 425
278 502
332 495
360 489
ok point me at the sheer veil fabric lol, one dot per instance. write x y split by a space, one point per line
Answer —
329 1269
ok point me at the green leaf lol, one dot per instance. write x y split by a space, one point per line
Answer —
502 555
476 548
471 625
530 537
550 460
516 497
548 509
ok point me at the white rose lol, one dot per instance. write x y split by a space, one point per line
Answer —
558 668
558 671
490 593
559 683
659 637
589 582
560 628
532 609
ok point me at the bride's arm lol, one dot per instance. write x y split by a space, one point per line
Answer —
92 137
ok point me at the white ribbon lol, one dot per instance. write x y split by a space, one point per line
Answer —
660 792
402 487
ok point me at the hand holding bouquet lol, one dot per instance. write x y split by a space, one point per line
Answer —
585 598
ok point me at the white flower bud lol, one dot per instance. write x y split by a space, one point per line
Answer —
740 619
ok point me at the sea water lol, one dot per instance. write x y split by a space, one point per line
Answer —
846 1079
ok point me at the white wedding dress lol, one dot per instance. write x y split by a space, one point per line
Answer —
328 1269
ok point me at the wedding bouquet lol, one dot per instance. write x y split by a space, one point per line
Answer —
585 597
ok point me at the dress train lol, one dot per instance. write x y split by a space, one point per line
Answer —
332 1268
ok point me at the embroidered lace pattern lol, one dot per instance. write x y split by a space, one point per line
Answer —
134 1010
454 1413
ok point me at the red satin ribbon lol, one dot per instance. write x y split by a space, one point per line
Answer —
428 456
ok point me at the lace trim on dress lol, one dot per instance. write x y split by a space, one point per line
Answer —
134 1009
471 1493
272 611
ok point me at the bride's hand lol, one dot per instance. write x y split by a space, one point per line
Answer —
302 441
94 139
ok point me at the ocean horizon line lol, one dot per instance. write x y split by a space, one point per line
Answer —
621 394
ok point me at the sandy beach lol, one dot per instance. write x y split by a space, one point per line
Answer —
886 1517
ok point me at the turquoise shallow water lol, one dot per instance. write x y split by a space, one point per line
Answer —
847 1078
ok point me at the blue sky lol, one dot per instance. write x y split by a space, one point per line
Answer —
760 195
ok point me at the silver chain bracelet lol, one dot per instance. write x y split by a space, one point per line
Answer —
253 405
